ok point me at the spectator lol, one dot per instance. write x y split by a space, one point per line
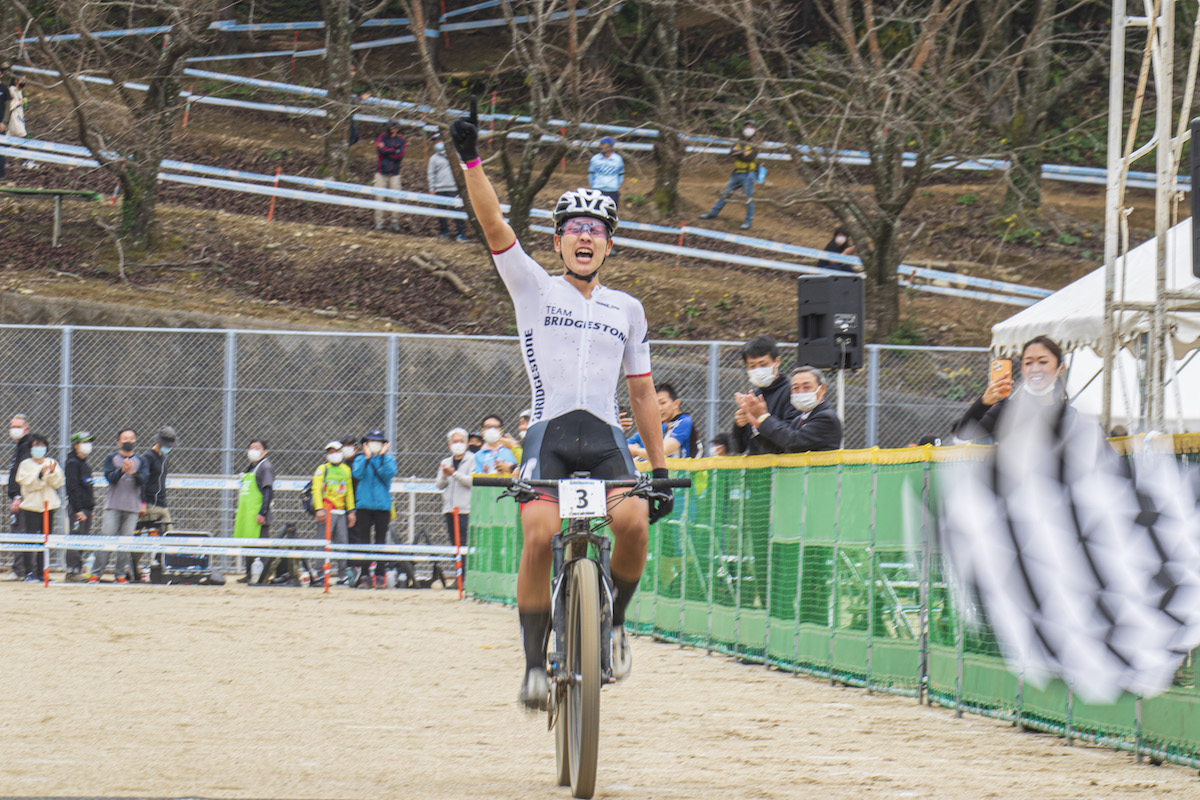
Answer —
126 474
333 494
390 146
494 457
1041 370
373 471
14 115
719 445
762 360
475 441
518 445
441 183
840 243
679 436
39 478
454 481
817 426
18 431
81 499
745 171
252 520
154 493
928 438
606 171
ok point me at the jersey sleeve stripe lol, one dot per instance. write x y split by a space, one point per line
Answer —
505 250
639 375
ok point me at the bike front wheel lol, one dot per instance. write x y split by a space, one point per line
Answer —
583 664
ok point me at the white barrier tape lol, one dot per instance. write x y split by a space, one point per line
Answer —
281 484
971 294
78 541
908 271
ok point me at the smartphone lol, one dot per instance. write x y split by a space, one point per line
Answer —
1002 368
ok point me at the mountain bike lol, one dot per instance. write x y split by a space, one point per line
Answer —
581 593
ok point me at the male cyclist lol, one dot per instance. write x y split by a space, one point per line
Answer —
576 335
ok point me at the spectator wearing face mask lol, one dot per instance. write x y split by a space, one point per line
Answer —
840 243
373 470
761 358
475 441
493 456
18 431
441 183
252 519
815 427
81 498
454 481
40 478
745 170
154 493
333 495
126 474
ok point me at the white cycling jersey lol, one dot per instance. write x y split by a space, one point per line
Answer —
574 347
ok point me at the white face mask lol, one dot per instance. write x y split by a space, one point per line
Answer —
85 448
1042 390
347 452
521 435
254 454
748 132
804 401
374 448
335 457
491 435
16 433
761 377
458 448
839 240
37 452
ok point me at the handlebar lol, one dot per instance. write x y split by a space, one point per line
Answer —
624 483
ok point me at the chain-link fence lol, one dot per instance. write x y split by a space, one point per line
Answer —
222 388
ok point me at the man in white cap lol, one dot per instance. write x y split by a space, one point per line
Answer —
333 495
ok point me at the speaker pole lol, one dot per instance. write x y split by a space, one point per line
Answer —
841 410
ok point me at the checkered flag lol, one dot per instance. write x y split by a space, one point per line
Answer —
1086 567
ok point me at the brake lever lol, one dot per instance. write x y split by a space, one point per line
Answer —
520 491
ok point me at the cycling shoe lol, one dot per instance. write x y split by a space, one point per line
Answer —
622 655
535 690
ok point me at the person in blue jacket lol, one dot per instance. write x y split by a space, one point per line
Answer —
373 470
679 435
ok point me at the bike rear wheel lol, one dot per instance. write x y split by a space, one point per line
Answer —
583 662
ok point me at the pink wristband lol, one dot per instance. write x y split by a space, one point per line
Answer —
471 164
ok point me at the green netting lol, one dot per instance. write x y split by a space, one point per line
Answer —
833 568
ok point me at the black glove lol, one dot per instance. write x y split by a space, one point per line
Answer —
465 133
661 500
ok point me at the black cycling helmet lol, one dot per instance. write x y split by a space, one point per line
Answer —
585 203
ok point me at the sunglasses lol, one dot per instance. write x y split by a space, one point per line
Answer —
594 228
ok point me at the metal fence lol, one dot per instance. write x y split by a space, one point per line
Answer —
298 390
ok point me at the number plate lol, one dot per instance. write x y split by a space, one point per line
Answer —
581 498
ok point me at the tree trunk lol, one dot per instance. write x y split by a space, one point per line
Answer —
668 159
1023 184
883 294
520 202
335 162
139 199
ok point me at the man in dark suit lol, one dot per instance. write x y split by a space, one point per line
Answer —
816 427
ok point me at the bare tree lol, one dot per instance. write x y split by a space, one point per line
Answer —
901 82
128 138
342 19
1040 55
656 56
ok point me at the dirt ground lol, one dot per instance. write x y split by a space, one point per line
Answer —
287 693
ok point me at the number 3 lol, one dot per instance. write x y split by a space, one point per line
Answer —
583 498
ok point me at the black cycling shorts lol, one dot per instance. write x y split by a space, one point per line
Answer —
575 442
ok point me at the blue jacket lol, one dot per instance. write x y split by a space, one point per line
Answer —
373 490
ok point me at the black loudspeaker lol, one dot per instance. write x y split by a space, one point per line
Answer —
831 321
1195 197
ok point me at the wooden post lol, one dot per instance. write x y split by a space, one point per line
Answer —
46 543
271 210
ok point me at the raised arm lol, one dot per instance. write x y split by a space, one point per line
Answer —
465 133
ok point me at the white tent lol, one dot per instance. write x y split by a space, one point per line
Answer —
1074 317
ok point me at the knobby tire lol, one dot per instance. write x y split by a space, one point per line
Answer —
583 659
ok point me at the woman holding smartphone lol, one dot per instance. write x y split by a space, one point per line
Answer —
1041 367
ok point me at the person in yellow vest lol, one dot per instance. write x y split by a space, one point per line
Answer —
253 517
333 494
745 171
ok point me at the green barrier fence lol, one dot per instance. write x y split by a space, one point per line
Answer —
827 564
